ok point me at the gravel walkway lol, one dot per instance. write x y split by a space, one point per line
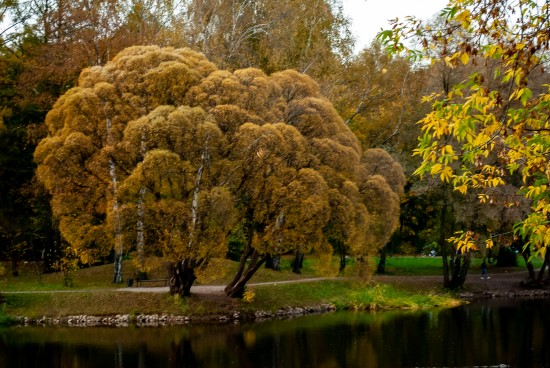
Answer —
500 281
213 289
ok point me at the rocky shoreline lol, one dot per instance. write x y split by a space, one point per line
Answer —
157 320
493 294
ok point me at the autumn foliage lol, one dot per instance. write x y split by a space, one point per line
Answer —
160 152
489 131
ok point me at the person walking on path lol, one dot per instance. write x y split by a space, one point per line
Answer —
484 274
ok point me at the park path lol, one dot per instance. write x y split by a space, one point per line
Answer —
215 289
502 281
196 289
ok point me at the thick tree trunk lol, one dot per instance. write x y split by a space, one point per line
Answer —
381 268
235 289
181 276
249 263
298 262
456 269
460 264
247 252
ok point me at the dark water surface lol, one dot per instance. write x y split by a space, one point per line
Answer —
490 333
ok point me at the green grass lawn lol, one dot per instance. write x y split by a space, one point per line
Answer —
220 272
343 293
417 266
95 293
403 266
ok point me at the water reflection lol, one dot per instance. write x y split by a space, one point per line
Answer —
481 334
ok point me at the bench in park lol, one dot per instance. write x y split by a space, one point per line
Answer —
140 282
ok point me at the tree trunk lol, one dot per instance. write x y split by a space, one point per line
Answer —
460 264
246 268
455 270
298 262
526 254
181 276
117 276
443 245
235 289
342 252
273 262
540 278
530 267
381 268
247 252
506 257
14 266
140 234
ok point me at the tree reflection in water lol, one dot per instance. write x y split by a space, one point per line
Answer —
509 332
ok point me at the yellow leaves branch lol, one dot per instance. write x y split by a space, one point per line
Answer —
464 241
495 132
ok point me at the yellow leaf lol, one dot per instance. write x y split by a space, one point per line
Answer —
436 169
462 189
446 174
482 198
464 58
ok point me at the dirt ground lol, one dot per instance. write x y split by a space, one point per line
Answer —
500 280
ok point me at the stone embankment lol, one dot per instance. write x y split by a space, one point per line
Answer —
145 320
490 294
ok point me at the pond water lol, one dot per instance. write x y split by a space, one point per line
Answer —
489 333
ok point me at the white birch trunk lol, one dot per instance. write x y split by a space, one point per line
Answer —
117 277
140 237
195 203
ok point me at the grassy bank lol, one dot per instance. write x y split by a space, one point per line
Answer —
92 292
344 294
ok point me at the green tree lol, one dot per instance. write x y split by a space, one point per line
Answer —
498 116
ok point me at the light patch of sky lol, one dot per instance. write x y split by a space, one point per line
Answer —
371 16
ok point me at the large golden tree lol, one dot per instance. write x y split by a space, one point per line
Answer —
161 152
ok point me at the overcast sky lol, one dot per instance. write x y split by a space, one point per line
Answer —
369 16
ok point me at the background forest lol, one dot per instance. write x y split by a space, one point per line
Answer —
44 46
